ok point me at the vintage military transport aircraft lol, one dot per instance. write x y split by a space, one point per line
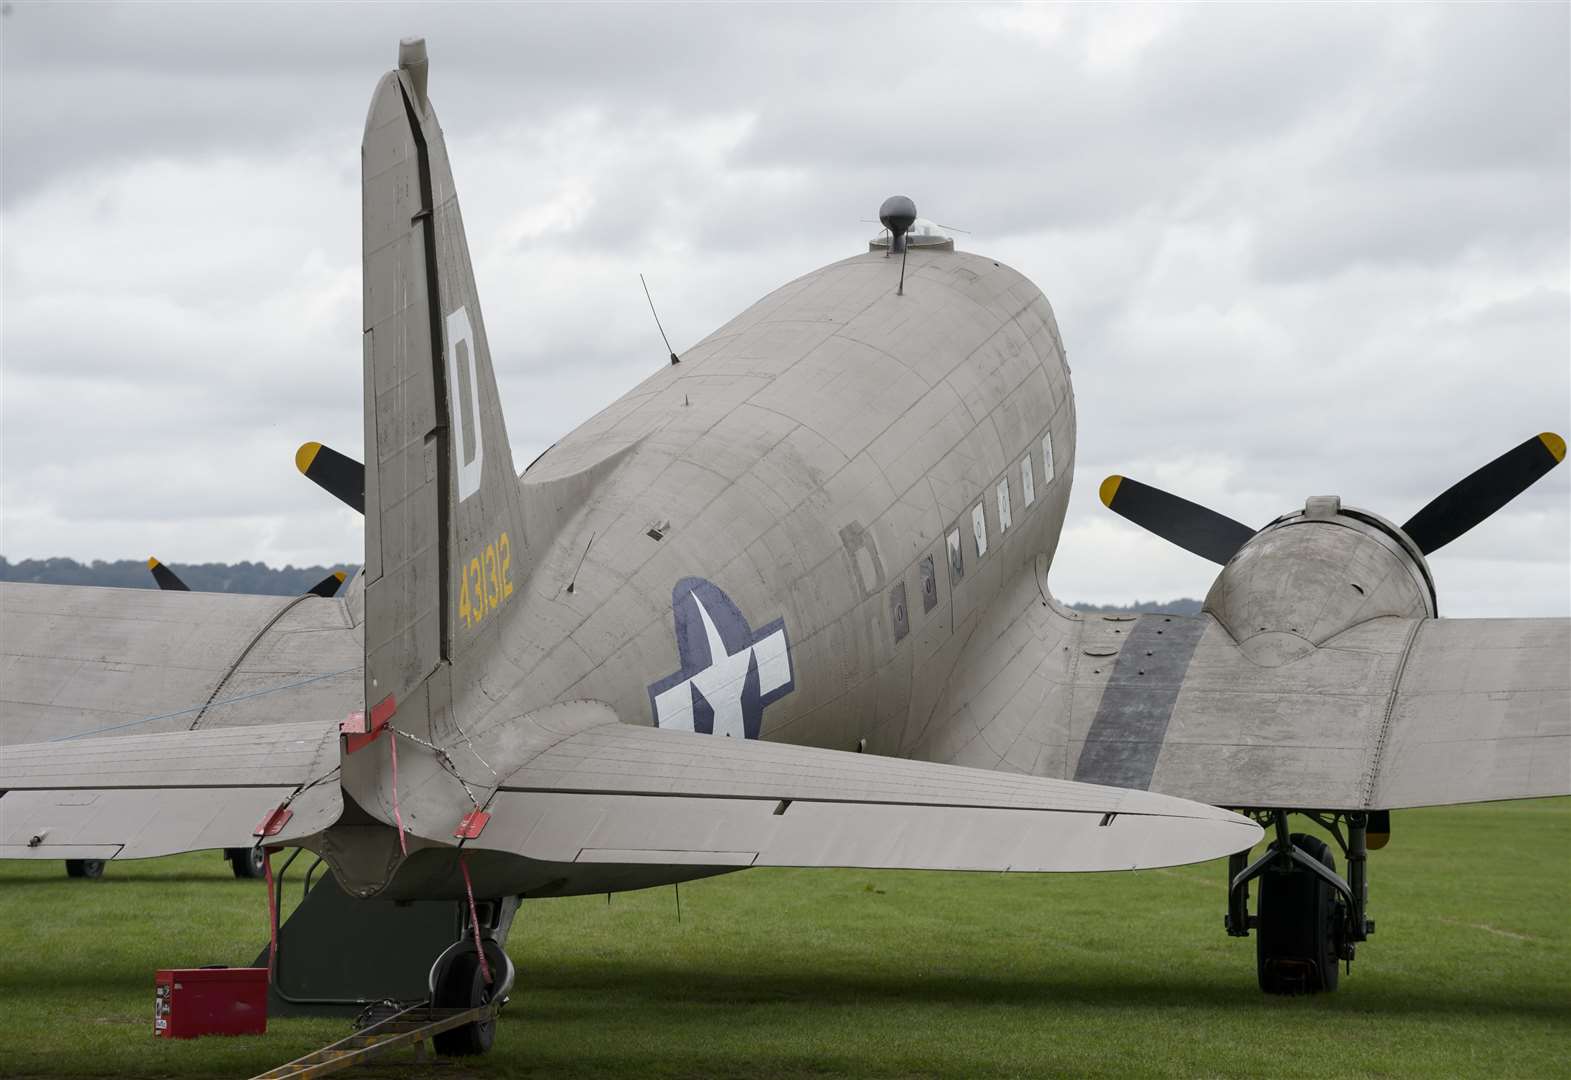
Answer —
824 529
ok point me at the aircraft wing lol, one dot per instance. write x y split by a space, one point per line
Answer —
613 793
77 660
1391 713
136 796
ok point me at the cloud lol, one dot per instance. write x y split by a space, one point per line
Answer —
1293 250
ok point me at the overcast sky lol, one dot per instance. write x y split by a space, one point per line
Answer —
1292 250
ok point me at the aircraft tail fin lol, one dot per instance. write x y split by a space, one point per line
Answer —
443 524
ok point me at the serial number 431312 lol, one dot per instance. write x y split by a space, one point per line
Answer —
487 581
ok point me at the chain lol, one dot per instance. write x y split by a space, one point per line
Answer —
443 758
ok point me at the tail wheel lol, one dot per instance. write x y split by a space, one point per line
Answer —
1298 937
463 986
84 868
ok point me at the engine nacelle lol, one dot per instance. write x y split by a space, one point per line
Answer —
1314 573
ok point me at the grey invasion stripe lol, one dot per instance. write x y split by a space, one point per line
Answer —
1126 735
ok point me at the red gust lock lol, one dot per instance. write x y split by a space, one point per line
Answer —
274 822
361 730
472 825
188 1002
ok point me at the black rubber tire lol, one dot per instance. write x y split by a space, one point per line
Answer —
92 869
463 987
247 863
1298 937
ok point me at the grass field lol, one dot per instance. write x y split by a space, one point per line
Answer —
841 973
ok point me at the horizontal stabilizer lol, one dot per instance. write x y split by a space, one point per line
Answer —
614 793
138 796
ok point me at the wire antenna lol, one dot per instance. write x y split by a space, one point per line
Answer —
656 314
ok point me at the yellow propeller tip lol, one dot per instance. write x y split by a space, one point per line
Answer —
306 454
1109 489
340 575
1555 444
152 562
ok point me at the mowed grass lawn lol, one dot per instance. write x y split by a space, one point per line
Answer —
849 973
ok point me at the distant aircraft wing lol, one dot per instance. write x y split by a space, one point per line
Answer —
138 796
77 660
1391 713
613 793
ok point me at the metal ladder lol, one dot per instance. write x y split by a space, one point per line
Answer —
410 1026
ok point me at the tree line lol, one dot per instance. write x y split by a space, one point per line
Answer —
260 579
241 577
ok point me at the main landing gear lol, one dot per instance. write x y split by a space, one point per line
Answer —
1309 919
247 862
460 981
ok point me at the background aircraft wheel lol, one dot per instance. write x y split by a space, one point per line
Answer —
88 868
463 987
247 862
1297 940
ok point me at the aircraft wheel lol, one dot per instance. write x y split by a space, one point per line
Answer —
247 862
84 868
1297 940
463 987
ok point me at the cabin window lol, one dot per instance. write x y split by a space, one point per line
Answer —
957 566
1047 458
1004 520
897 611
1027 482
930 582
979 528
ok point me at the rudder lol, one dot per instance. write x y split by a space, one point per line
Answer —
443 524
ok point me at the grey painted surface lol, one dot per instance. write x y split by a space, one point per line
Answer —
147 795
76 660
803 464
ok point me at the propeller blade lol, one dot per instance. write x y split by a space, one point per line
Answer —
166 578
340 476
1189 525
328 586
1473 498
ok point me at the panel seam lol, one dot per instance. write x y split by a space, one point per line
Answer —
1378 753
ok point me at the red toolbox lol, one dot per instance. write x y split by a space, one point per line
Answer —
188 1002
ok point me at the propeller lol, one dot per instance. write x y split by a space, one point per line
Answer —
1470 500
1191 526
167 579
340 476
170 581
1450 514
328 586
